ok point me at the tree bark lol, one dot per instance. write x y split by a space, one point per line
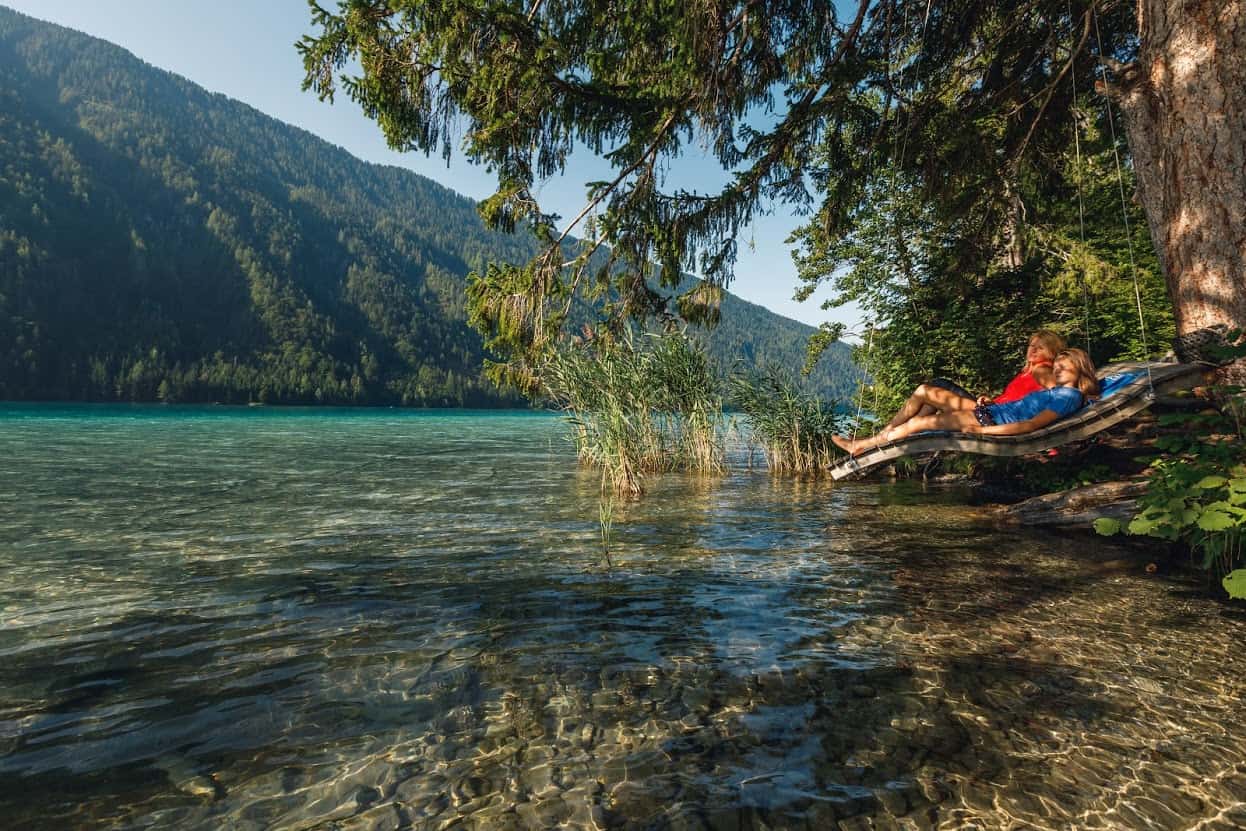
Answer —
1185 114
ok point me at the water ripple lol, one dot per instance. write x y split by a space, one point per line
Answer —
219 617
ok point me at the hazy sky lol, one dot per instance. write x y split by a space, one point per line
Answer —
245 49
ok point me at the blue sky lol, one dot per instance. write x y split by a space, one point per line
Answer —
245 49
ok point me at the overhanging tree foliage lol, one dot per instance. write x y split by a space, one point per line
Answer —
805 103
1075 270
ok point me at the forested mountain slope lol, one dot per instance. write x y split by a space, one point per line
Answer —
158 241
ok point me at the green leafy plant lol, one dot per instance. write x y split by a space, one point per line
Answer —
1196 494
1235 584
1183 503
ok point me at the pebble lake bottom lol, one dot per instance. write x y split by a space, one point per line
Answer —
381 619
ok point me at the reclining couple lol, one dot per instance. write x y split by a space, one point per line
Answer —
1055 382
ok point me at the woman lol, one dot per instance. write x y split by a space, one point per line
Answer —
1075 383
1037 373
933 396
1042 349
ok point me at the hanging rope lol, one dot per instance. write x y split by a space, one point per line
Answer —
1081 205
902 144
869 349
1120 182
899 148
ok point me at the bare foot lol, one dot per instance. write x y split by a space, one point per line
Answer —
852 448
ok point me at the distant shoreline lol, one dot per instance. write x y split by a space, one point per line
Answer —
187 405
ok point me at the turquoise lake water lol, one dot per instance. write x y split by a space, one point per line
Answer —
315 618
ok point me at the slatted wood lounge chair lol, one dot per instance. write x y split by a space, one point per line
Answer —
1134 394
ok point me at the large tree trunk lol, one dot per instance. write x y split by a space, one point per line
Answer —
1185 114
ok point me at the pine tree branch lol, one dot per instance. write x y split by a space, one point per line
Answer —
650 151
1050 90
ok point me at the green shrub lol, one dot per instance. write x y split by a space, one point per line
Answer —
1196 494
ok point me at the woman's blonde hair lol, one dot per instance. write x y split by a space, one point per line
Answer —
1087 383
1053 342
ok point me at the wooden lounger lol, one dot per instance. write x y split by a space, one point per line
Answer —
1122 404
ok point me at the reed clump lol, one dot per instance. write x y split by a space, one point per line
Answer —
639 408
792 428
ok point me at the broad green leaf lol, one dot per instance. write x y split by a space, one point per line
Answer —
1208 482
1235 584
1215 521
1107 526
1141 526
1190 516
1237 485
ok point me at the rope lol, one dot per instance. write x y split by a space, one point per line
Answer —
902 146
869 350
1081 205
1120 182
897 144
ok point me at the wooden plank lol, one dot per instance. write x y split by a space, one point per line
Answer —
1099 416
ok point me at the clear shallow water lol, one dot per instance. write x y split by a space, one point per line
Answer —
382 619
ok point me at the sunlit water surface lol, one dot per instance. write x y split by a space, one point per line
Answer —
219 617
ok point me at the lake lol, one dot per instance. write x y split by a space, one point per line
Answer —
331 618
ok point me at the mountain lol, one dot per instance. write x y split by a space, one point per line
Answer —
161 242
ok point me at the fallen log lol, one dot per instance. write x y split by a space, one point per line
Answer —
1076 509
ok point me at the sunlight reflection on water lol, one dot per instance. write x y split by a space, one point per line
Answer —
283 618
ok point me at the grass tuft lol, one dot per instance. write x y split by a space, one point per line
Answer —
639 409
793 428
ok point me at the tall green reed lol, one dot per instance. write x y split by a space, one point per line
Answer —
793 428
639 408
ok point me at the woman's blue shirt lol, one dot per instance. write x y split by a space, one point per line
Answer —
1062 401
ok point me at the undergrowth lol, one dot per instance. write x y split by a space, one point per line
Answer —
1196 491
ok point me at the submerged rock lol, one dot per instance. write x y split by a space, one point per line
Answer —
204 787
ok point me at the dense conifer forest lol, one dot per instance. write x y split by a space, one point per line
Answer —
161 242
